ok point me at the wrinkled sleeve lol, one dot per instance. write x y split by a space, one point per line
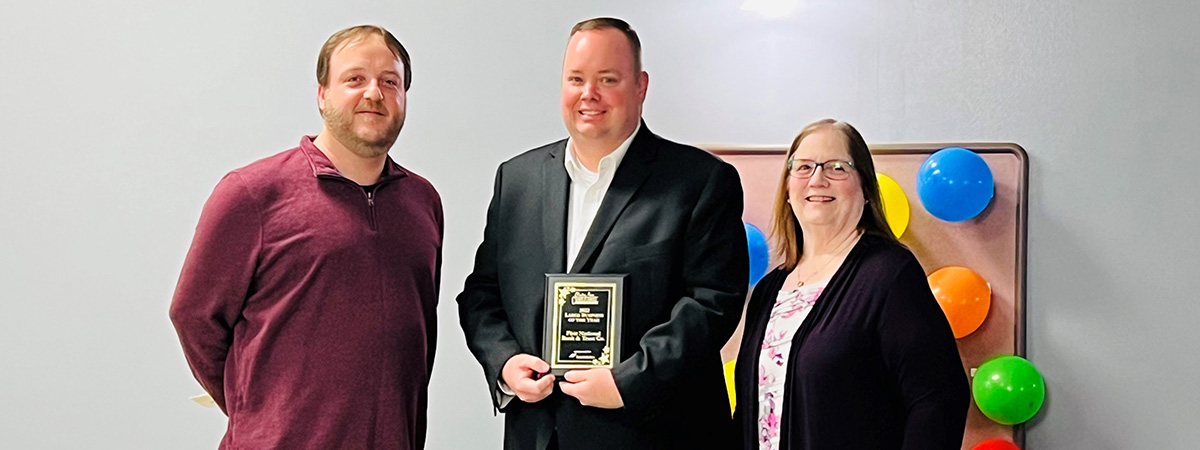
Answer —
215 281
714 268
920 352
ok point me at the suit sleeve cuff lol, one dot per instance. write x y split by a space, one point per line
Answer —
504 394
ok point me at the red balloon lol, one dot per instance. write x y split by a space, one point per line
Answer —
996 444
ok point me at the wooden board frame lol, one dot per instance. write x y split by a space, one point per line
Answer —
761 167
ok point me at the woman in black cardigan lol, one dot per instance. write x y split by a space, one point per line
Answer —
844 345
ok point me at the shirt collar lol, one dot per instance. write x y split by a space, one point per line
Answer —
611 160
321 164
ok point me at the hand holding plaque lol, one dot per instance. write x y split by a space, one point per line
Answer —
582 321
523 375
592 387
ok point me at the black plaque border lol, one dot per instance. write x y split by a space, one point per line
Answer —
551 312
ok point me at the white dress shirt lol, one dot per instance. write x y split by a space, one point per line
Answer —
587 192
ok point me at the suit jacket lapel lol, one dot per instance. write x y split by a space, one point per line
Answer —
634 169
555 186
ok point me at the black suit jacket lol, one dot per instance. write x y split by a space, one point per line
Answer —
671 219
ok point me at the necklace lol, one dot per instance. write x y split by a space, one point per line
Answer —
800 282
840 255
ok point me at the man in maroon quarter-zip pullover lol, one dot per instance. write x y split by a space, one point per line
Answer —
306 306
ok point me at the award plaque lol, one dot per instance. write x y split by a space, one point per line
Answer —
582 321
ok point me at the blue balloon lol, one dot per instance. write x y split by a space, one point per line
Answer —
757 245
955 184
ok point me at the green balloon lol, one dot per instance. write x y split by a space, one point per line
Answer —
1008 389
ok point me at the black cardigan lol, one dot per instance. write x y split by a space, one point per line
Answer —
873 366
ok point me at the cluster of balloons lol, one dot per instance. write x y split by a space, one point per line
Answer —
954 185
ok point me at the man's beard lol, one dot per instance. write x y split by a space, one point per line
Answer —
341 125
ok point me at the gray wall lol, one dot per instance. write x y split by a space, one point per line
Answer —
121 116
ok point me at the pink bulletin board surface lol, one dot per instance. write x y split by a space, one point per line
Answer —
992 244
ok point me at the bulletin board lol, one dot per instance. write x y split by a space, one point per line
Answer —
992 244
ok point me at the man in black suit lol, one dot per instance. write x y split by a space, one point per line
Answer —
613 198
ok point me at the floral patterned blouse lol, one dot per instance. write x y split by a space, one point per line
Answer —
791 307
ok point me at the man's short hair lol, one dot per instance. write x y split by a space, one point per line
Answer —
358 34
601 23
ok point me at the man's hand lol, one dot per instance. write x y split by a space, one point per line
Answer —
519 374
593 387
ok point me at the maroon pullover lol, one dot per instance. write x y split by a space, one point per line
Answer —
306 306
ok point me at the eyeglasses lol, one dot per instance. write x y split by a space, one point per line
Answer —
835 169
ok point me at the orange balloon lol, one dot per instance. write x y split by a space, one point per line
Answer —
965 297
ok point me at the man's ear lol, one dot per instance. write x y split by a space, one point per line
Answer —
320 98
644 83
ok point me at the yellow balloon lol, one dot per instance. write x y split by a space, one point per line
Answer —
729 385
895 204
